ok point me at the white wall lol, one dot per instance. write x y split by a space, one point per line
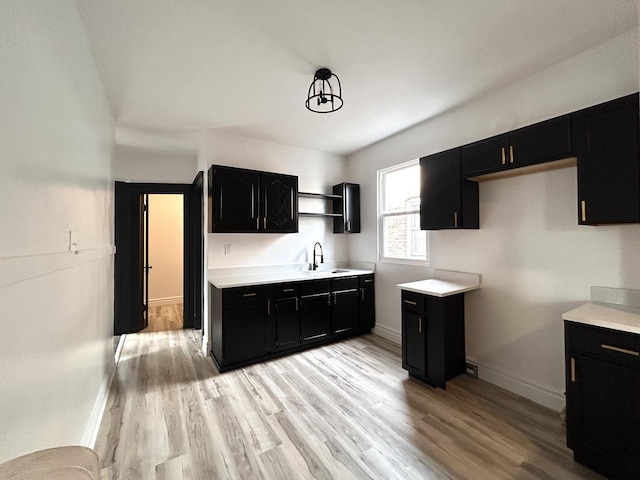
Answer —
535 261
166 239
146 165
56 308
316 171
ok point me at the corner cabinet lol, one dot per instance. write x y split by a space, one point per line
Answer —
607 136
446 199
251 201
603 399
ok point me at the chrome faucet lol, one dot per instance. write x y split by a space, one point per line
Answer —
315 265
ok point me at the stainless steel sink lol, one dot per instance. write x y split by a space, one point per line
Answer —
326 272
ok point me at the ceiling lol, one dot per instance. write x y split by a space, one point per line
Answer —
244 66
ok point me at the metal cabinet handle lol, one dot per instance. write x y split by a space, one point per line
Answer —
286 290
573 369
268 307
419 324
264 223
504 159
249 294
620 350
335 298
410 302
297 306
455 219
511 156
257 223
328 299
362 294
583 210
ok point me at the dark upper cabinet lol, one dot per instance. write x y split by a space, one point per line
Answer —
608 163
367 302
247 201
603 399
348 206
539 143
446 199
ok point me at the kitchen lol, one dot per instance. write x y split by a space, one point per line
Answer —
536 262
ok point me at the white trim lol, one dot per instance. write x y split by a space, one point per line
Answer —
536 393
90 436
156 302
390 334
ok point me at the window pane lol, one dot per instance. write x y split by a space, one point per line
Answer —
401 189
402 237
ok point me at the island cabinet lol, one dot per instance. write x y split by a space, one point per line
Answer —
248 201
446 199
603 399
367 303
607 136
433 348
538 143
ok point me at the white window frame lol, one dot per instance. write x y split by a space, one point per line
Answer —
382 215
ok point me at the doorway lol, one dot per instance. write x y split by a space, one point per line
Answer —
134 264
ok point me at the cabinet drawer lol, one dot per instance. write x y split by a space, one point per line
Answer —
314 287
366 280
286 290
245 294
604 343
413 302
348 283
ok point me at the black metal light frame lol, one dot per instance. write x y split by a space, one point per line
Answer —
323 97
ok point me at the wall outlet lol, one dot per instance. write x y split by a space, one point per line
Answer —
228 249
471 370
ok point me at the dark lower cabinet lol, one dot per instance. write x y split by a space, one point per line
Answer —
607 137
344 313
315 310
433 337
603 399
367 303
287 324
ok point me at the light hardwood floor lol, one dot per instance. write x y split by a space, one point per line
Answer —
165 317
342 411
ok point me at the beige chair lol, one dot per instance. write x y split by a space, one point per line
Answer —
60 463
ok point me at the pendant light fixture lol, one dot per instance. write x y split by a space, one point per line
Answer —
325 92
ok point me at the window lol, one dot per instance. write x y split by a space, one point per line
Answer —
399 236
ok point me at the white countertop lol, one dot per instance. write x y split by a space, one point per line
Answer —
607 315
231 281
444 284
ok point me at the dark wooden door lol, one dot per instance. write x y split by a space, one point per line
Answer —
608 162
235 199
440 195
245 330
287 323
315 316
196 253
414 343
542 142
345 315
279 203
485 156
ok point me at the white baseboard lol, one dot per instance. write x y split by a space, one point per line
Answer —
90 435
389 333
536 393
157 302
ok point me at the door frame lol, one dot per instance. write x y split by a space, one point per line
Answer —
125 312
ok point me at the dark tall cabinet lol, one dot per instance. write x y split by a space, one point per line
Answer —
446 199
249 201
607 137
367 303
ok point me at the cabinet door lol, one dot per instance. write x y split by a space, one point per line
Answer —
485 156
315 316
345 316
367 307
279 203
348 206
287 323
446 200
414 343
245 330
235 198
608 163
542 142
603 417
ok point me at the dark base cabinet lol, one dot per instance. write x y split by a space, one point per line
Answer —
433 337
252 324
603 399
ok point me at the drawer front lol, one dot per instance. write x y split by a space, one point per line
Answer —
604 343
413 302
231 296
348 283
286 290
366 280
314 287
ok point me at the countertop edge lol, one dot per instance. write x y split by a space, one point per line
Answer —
263 279
591 313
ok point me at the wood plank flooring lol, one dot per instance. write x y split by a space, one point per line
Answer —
342 411
165 317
